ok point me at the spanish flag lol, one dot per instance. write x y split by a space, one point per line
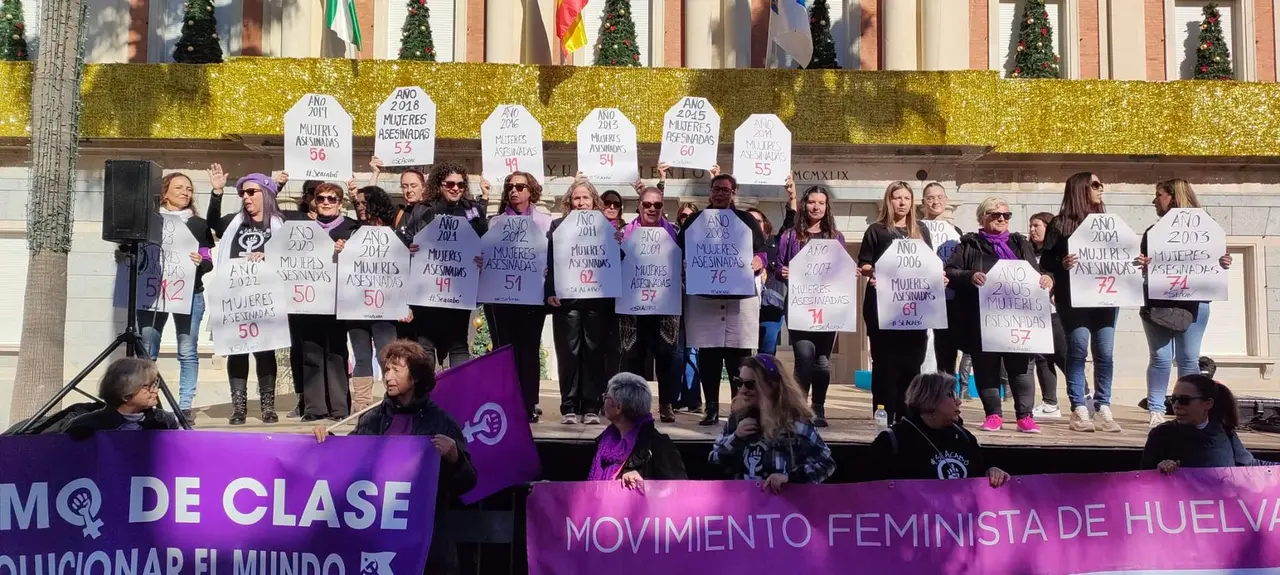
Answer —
569 27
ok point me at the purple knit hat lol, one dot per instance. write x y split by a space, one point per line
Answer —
264 181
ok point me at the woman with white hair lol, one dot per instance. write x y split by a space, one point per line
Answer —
130 392
966 270
631 449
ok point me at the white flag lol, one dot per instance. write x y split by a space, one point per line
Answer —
340 16
789 29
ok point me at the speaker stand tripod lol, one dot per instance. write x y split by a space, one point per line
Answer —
130 338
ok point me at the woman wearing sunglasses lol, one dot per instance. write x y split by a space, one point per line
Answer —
1088 329
770 436
1203 432
612 202
967 271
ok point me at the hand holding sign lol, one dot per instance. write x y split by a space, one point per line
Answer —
302 254
511 141
1014 310
247 313
650 274
690 134
911 293
443 272
718 255
317 139
514 251
166 271
1103 273
762 151
587 257
406 128
1186 248
372 270
607 147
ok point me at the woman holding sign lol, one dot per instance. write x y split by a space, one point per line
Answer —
967 271
245 235
896 355
373 208
812 349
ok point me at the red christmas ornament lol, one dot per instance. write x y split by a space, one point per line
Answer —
1017 70
614 62
1204 68
1022 44
611 28
412 11
1208 44
626 42
1044 64
635 57
1212 19
1044 31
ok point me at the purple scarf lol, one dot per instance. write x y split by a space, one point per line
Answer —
328 226
615 449
1001 243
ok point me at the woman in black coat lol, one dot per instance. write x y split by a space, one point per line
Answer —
631 449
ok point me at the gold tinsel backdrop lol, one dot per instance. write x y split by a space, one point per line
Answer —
249 96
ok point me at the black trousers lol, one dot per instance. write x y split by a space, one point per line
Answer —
264 361
367 340
667 359
896 356
813 362
326 390
296 328
946 349
986 375
581 335
442 332
520 326
710 361
1045 364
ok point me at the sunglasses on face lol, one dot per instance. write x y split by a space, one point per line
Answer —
1006 216
1095 186
612 203
1183 399
452 185
653 205
327 200
743 383
516 187
249 193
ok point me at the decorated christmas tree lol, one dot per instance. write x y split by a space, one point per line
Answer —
617 44
1213 58
1035 58
824 48
415 36
13 32
199 43
481 342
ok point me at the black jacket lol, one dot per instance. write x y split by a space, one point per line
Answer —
975 254
472 211
654 456
456 478
912 450
1191 446
757 240
603 304
108 419
875 241
409 220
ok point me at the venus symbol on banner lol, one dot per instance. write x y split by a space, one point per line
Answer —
514 251
762 151
1104 274
909 287
248 310
443 272
406 128
302 254
650 273
587 257
822 281
510 141
717 254
1184 247
166 274
1014 310
607 147
372 273
690 134
317 139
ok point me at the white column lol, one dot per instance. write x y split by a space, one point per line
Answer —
944 33
1126 40
899 44
503 31
700 18
736 19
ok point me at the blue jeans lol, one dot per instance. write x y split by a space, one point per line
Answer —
1090 330
1167 346
769 332
151 324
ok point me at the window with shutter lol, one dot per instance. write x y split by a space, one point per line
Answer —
1226 333
1010 23
593 19
441 16
839 35
169 28
1188 14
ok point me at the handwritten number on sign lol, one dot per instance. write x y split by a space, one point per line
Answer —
587 277
1106 284
909 309
443 284
247 330
374 298
513 164
816 314
718 277
316 154
1019 335
606 159
304 294
764 169
648 295
512 282
405 147
686 150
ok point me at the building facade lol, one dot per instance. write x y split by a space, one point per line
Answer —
939 113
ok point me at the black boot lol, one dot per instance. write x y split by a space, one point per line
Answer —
819 416
267 396
712 417
239 400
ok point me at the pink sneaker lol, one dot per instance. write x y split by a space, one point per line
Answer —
992 423
1028 425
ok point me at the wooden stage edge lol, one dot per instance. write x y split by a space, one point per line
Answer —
848 411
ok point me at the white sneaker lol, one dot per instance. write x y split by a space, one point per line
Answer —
1046 411
591 419
1157 419
1080 420
569 419
1106 422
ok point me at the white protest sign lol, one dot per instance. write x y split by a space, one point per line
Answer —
1184 247
514 251
317 139
302 254
406 129
443 272
762 151
587 257
909 287
690 134
1104 275
607 147
166 274
1014 310
372 273
510 141
822 281
717 253
247 312
945 238
650 273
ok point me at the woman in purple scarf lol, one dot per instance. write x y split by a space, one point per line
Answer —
966 271
631 449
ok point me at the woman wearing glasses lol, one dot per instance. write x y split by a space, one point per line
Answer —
967 271
1088 329
1203 432
129 390
612 202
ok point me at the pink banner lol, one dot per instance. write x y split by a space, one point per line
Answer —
1207 521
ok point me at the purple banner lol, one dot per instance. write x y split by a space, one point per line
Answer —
1196 521
208 502
483 395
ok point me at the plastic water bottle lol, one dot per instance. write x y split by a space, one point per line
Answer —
882 419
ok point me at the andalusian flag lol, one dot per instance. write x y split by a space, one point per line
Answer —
340 16
569 27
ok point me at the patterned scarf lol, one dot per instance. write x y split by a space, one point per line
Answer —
615 449
1001 243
